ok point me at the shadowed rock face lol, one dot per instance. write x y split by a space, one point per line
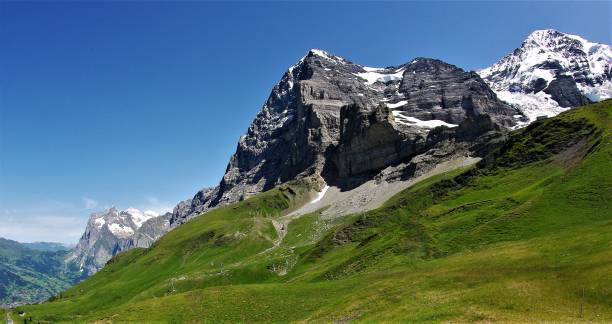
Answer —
564 91
149 232
327 110
369 141
437 90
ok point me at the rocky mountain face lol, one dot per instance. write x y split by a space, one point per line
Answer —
341 124
112 231
338 122
552 72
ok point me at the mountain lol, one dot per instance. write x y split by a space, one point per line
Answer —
316 125
47 246
521 236
112 231
425 112
552 72
31 273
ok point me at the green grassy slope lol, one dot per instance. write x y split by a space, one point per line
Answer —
524 236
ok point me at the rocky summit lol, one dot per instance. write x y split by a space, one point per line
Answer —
329 120
112 231
552 72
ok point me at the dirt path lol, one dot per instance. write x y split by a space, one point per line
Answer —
280 225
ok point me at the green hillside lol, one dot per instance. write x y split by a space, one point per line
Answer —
526 235
30 275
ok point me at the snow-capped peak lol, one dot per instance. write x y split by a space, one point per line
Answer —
547 53
121 223
575 67
325 55
119 230
541 35
321 53
139 217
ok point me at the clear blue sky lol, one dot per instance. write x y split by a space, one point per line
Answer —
141 104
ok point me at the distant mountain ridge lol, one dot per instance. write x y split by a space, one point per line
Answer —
552 72
112 231
47 246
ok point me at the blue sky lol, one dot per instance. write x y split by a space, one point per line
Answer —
140 104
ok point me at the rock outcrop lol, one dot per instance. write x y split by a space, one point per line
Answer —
564 91
334 119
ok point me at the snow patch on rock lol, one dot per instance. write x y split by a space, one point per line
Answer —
99 222
320 195
120 230
373 75
401 118
139 217
397 104
532 104
597 93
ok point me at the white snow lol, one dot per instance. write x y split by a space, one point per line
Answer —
598 93
517 70
99 222
120 230
546 46
320 195
397 104
600 55
328 56
547 75
139 217
401 118
373 75
532 105
320 53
